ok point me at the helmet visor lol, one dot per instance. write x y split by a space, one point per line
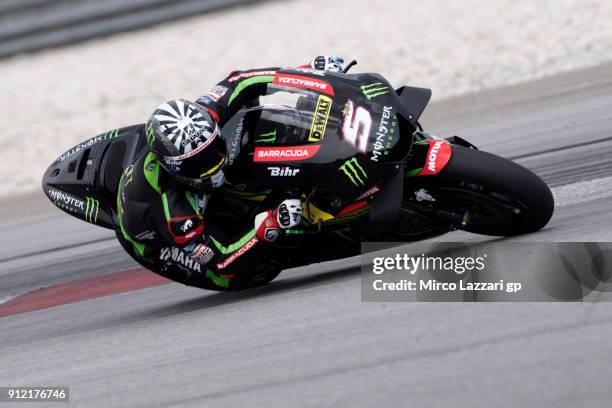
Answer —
201 163
204 184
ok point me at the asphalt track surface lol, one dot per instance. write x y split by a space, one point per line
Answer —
307 339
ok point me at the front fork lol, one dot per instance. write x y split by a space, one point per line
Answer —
429 157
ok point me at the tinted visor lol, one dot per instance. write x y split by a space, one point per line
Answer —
201 163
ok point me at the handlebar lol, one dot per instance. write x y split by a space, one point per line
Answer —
349 66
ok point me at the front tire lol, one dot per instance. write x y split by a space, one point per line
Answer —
503 197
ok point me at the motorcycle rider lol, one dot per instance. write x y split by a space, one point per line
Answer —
163 196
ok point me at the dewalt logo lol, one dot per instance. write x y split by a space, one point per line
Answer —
319 120
355 173
92 208
373 90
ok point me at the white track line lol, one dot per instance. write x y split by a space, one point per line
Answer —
582 191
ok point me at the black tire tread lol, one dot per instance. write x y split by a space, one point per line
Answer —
506 177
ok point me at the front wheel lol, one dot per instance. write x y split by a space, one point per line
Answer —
487 194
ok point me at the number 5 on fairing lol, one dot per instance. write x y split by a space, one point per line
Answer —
356 126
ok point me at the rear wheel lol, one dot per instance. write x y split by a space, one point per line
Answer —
487 194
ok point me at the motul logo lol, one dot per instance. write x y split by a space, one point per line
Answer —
438 155
433 155
290 153
238 253
303 82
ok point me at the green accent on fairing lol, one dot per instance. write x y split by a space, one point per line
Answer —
294 232
412 173
92 208
218 280
151 172
150 135
128 173
111 134
354 215
264 79
374 90
166 208
138 247
353 170
236 245
191 200
269 137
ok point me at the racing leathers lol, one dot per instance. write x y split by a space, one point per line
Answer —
162 222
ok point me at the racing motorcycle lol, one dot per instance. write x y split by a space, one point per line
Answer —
352 147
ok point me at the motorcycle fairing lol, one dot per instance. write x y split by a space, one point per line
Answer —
347 164
83 181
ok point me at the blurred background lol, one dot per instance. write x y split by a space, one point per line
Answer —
71 69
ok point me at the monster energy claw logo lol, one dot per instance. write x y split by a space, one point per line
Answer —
150 135
111 134
92 208
374 90
269 137
353 170
128 174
